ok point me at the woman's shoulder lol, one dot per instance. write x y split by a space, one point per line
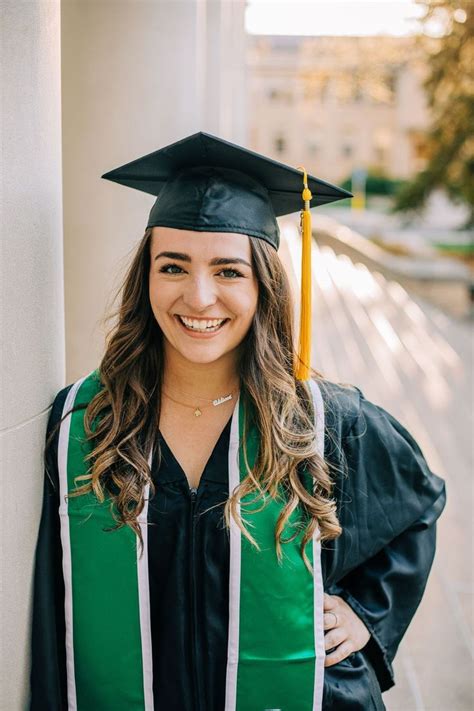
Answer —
342 403
57 406
79 392
360 420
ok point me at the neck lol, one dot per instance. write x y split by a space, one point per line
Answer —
204 380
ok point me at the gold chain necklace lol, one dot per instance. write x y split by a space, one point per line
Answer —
198 410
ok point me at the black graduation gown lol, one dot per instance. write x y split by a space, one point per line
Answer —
388 503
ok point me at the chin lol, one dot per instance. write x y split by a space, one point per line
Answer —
203 358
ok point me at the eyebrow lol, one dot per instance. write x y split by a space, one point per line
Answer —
217 261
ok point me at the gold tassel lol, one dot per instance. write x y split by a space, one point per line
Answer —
302 371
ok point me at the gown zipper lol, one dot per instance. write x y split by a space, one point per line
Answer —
194 652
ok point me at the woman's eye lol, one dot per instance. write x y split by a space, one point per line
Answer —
169 266
234 273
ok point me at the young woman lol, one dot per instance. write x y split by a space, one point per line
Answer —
218 534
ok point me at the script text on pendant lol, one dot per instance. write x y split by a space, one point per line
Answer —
220 400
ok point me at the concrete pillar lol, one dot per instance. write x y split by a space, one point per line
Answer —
225 78
135 76
31 306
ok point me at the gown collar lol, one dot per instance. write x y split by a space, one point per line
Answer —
215 470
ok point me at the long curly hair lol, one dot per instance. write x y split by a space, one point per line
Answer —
123 417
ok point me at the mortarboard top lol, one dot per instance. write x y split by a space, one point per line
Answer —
204 183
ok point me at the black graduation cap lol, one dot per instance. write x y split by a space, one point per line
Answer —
206 184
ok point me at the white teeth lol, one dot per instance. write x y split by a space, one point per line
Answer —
202 325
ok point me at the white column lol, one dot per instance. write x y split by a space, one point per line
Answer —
225 107
136 76
31 306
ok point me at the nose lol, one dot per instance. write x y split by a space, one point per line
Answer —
200 293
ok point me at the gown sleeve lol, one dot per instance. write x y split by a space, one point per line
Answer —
48 655
390 504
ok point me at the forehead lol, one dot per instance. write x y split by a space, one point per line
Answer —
200 244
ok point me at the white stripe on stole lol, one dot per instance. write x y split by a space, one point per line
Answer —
235 562
234 571
144 601
318 577
66 542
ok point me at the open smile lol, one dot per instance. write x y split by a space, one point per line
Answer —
201 327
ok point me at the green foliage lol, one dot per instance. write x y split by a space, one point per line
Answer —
464 250
450 94
377 184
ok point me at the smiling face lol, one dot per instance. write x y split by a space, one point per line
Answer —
203 291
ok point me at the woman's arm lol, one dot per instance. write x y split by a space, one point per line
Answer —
386 590
391 504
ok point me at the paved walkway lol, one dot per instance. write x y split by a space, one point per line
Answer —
416 362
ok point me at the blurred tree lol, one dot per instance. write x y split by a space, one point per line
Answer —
448 39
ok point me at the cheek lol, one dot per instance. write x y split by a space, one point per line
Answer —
252 299
158 304
152 294
246 303
161 295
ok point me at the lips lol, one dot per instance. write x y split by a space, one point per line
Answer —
208 332
202 318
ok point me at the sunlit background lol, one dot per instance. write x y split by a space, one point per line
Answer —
334 18
379 97
360 92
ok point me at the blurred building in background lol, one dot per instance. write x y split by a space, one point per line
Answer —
336 103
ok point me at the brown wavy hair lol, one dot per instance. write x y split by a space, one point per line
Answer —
123 418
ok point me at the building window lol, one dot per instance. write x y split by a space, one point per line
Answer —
380 157
357 93
280 96
347 151
381 147
280 144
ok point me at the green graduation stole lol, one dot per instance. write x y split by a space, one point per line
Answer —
276 640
